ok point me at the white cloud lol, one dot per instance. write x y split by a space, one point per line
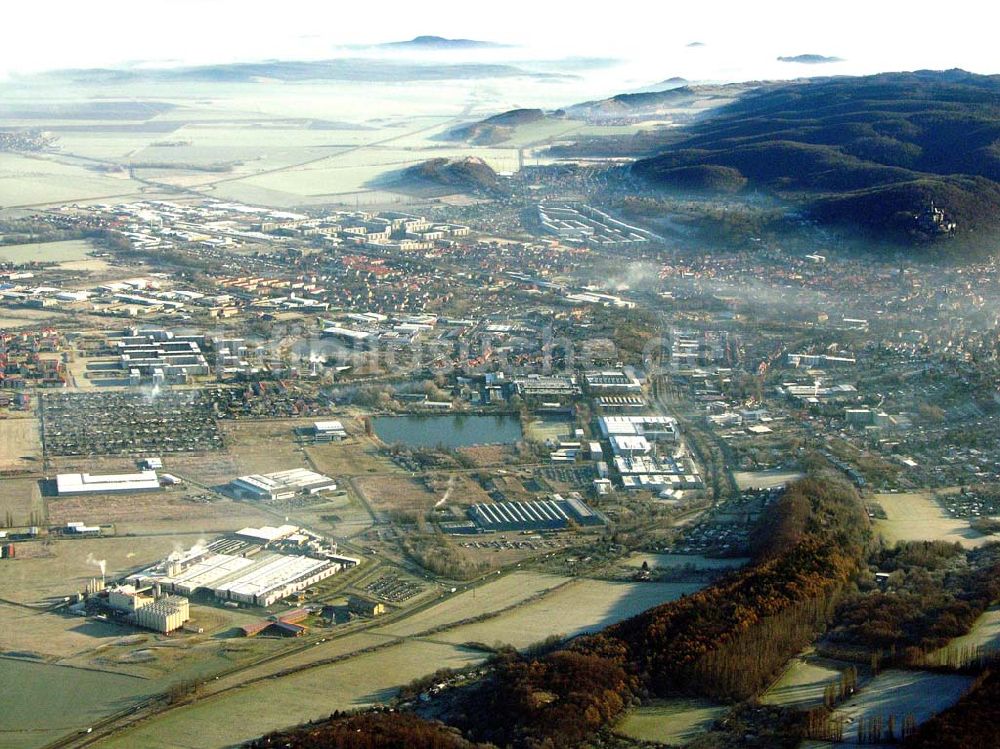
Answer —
741 36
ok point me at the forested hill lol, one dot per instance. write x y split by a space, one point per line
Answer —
872 151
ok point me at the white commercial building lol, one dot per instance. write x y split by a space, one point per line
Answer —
629 445
329 431
652 428
282 484
120 483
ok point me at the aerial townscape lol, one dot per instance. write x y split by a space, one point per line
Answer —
368 388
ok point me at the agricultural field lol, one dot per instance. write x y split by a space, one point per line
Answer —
20 444
580 606
984 633
21 498
46 252
487 455
245 713
29 181
26 318
397 494
349 458
264 446
901 693
331 649
43 635
502 593
802 683
675 721
52 701
188 510
915 516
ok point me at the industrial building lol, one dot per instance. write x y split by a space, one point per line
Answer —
163 615
160 356
619 403
146 608
546 514
616 381
658 472
281 485
328 431
68 484
651 428
578 222
356 338
365 607
77 528
283 625
537 386
254 567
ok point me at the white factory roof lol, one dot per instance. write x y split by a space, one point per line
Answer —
637 424
626 443
294 479
328 426
80 483
336 330
268 533
275 572
206 570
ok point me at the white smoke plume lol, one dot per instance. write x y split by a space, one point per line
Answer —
101 563
447 491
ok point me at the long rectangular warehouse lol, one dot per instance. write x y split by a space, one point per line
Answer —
122 483
545 514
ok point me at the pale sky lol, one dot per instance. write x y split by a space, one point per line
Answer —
742 38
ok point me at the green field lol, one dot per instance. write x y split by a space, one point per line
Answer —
803 682
49 252
248 712
902 693
543 429
670 721
42 702
505 592
916 516
26 181
582 606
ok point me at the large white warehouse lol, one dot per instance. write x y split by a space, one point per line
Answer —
121 483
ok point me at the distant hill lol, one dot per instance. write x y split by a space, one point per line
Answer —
343 69
469 174
810 59
664 85
871 152
495 129
440 42
651 103
667 97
